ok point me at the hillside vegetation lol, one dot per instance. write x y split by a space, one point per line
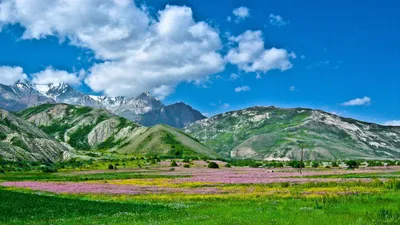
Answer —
273 133
21 141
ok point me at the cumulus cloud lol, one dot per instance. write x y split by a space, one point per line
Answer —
392 123
250 55
358 101
277 20
242 89
292 88
240 14
8 74
51 75
140 52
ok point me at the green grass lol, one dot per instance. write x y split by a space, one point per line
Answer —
31 208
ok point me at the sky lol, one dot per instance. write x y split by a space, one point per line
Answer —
339 56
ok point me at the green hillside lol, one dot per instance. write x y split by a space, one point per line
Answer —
167 141
273 133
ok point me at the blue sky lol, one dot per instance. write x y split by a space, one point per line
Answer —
338 51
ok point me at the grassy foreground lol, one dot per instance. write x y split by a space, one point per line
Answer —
31 208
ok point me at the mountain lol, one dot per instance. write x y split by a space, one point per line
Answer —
21 95
176 115
89 129
20 140
270 133
81 127
144 109
167 141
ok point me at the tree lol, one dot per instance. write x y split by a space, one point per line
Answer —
173 163
110 167
213 165
351 164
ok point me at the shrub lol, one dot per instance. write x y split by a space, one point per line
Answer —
48 169
256 165
296 164
315 164
186 160
213 165
285 184
228 165
2 171
173 163
351 164
110 167
186 166
172 169
335 164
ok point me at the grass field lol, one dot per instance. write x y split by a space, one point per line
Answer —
199 195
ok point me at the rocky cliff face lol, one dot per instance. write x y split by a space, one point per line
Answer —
80 127
20 140
270 133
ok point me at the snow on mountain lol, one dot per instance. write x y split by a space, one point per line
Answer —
144 108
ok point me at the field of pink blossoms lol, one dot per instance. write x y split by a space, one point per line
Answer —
198 180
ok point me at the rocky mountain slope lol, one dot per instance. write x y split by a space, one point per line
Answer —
144 109
273 133
20 140
81 127
21 95
89 129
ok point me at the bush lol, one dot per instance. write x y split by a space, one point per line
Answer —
256 165
48 169
315 164
186 160
110 167
296 164
2 171
351 164
213 165
285 184
228 165
335 164
172 169
174 164
186 166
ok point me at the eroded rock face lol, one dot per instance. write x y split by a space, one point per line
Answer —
23 141
270 132
79 127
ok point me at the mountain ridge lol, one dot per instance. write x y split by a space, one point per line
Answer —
143 108
274 133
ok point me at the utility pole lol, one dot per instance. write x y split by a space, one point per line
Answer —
301 159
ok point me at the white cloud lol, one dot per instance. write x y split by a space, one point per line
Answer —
140 52
242 89
251 56
51 75
240 14
392 123
258 76
277 20
357 101
292 88
8 74
234 76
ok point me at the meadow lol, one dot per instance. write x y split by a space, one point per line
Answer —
195 194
